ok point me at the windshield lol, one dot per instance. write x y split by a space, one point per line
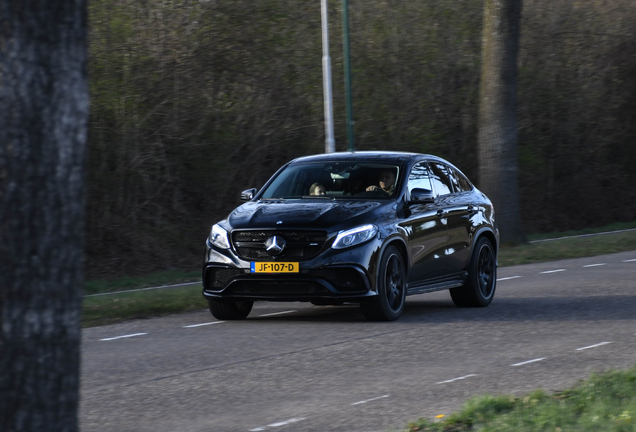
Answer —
334 180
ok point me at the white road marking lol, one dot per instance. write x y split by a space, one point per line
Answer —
631 260
553 271
595 265
370 400
124 336
456 379
277 313
204 324
286 422
508 278
593 346
528 361
278 424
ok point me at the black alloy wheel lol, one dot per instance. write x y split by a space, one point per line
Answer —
391 287
479 289
230 310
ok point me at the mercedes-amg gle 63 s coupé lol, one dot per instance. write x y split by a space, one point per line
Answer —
362 227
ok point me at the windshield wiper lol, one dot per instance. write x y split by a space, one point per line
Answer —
318 197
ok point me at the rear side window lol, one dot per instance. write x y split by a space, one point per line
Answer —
441 178
459 182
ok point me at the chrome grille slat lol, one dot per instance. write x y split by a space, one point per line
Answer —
301 244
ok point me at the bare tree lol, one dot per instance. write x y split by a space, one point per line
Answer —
192 102
498 164
43 128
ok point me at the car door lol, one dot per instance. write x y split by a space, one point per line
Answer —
457 212
427 232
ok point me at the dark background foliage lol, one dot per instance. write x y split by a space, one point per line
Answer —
194 101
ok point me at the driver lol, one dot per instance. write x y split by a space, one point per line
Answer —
386 182
317 189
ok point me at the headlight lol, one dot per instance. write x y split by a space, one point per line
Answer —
218 237
354 236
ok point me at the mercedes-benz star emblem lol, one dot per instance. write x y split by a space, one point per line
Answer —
275 245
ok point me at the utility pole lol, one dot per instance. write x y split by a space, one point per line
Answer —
347 74
330 145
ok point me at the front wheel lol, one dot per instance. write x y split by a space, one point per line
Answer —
230 310
391 287
479 289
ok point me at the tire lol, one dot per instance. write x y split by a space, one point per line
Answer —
479 288
230 310
391 287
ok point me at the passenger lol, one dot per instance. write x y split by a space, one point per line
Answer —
317 189
386 182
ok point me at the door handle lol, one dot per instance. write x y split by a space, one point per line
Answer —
441 212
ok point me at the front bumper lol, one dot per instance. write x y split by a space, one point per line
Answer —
344 275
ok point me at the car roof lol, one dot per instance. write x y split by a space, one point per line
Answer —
389 156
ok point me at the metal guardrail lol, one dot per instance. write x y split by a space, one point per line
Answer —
583 235
144 289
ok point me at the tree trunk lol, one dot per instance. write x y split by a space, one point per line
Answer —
43 126
498 164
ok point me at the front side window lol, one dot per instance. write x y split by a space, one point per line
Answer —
334 180
420 177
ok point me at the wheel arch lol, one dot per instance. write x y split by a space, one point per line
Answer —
400 244
490 235
382 306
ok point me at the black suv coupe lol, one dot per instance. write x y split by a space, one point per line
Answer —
363 227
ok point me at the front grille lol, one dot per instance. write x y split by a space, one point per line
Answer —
301 245
258 253
290 235
260 287
219 277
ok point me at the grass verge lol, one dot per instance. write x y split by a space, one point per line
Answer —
123 306
128 283
604 403
117 307
573 247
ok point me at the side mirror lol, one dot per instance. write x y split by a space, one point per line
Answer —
421 196
248 195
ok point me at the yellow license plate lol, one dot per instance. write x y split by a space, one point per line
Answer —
274 267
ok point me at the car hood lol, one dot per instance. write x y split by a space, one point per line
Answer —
314 213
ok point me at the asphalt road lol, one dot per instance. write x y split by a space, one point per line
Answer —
298 367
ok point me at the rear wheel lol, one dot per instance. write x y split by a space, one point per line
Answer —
479 289
230 310
391 287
